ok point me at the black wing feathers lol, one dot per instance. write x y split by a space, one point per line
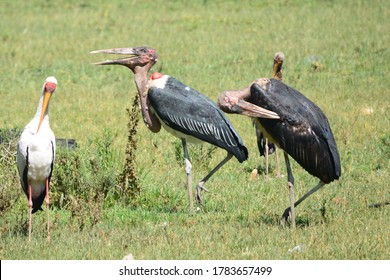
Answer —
187 111
303 130
24 181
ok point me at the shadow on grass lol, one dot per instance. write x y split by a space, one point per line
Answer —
261 169
272 219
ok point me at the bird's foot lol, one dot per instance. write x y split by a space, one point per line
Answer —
285 216
199 187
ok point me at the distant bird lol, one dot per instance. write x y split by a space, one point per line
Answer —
181 110
301 130
36 154
265 147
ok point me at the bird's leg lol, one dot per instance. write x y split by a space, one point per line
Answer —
188 168
306 195
289 211
266 157
199 187
30 205
277 162
47 209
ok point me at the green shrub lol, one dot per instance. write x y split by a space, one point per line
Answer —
9 179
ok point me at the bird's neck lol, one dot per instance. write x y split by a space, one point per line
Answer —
228 99
141 81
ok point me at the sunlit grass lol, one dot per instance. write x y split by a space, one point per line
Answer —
212 46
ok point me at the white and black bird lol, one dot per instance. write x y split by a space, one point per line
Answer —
180 109
301 130
36 154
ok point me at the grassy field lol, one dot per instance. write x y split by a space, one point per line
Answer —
337 54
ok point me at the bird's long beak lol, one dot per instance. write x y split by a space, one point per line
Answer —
49 89
251 110
129 52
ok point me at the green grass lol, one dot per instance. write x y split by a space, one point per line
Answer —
212 46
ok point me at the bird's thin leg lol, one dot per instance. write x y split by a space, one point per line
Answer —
277 162
313 190
199 187
291 211
30 205
47 209
188 168
266 157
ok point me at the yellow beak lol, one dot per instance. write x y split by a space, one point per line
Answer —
46 99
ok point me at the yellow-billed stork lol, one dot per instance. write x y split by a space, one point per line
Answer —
35 156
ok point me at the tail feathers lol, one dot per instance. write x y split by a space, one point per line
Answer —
261 144
241 153
37 203
36 209
336 158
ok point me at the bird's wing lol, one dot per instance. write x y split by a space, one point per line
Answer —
303 130
53 153
22 159
186 110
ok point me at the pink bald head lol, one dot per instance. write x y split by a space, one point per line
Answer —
156 75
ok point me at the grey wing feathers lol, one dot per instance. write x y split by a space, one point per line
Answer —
187 111
196 127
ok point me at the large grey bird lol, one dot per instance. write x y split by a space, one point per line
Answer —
180 109
301 130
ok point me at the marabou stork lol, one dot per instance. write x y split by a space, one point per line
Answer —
181 110
264 146
302 130
35 155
